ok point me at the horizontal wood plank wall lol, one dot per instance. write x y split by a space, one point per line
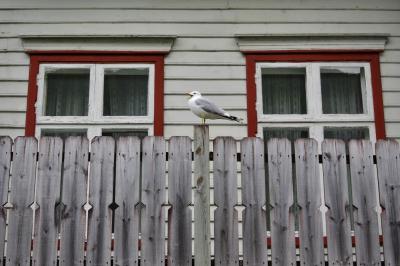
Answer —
205 55
114 191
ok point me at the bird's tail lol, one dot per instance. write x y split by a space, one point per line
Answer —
234 118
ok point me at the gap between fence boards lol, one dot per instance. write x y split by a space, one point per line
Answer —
211 157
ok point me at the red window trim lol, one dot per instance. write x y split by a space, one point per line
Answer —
40 57
370 56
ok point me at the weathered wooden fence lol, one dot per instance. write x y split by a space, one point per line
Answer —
133 188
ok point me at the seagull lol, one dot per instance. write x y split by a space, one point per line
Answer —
205 109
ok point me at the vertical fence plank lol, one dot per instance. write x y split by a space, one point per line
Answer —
21 198
388 164
253 198
337 202
153 197
47 197
226 241
201 196
73 198
309 202
5 160
281 201
180 198
365 203
100 198
127 196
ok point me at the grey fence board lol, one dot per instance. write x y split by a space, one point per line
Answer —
226 241
153 197
127 196
180 198
5 163
337 202
201 196
253 198
281 201
309 202
21 198
73 199
365 204
47 217
388 165
100 198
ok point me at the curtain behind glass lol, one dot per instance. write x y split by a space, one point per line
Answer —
346 133
141 133
67 94
63 133
125 95
284 93
341 93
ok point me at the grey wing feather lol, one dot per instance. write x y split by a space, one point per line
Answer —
210 107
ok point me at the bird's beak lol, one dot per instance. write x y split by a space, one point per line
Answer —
189 94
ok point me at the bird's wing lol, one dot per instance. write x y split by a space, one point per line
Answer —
210 107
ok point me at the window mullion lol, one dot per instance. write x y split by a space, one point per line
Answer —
92 93
314 90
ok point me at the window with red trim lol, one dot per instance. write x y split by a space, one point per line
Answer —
95 94
318 95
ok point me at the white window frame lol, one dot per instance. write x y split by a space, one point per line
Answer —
95 121
314 119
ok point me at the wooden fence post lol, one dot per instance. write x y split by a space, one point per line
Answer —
100 197
153 197
337 201
365 203
309 201
127 196
73 198
5 161
226 240
180 197
21 199
201 196
47 216
255 250
281 201
388 165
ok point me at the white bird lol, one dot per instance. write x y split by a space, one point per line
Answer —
205 109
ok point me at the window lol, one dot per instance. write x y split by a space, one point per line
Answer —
315 99
96 97
110 95
314 94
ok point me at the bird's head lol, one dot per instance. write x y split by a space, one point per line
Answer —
193 93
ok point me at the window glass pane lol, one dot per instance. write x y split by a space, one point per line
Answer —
342 90
291 133
125 92
141 133
67 92
284 90
63 133
346 133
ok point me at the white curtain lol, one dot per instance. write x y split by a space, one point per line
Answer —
284 94
67 94
125 95
341 93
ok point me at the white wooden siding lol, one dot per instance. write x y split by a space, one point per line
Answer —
205 55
